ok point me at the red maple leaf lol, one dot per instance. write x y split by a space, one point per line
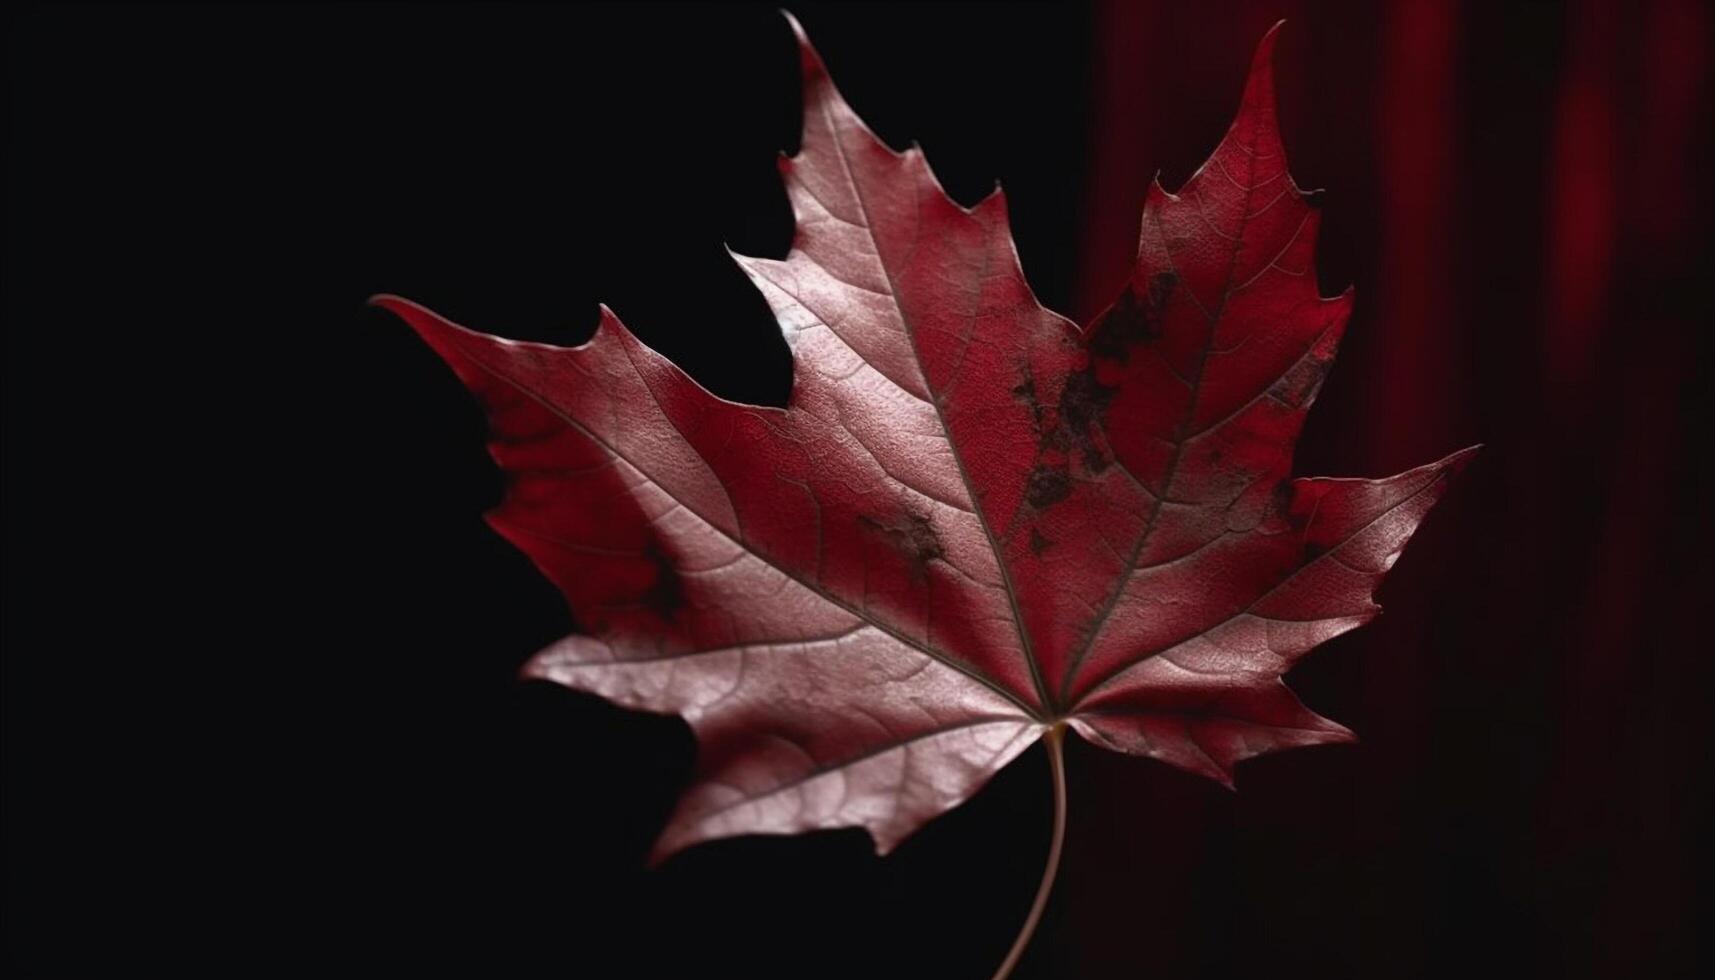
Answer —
975 523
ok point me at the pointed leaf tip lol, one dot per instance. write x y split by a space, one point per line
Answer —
415 315
1259 85
1265 47
809 61
1454 463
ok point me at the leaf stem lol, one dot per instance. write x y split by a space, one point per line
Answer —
1057 772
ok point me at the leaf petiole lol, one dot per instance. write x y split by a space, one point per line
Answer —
1056 772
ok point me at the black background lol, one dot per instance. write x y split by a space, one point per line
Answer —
261 652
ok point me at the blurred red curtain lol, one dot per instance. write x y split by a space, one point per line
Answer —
1518 193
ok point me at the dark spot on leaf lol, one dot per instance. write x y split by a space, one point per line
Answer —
1083 407
666 595
1133 319
1025 391
1038 543
912 536
1083 401
1048 486
1074 432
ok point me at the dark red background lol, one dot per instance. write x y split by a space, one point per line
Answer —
260 649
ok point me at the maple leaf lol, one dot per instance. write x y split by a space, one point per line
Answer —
974 523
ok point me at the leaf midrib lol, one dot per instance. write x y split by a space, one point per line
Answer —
1049 707
1180 437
